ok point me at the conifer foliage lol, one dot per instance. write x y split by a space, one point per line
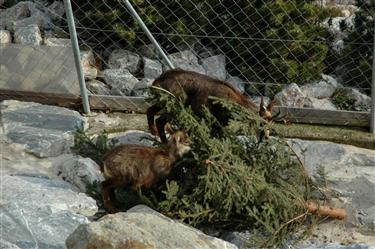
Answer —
233 179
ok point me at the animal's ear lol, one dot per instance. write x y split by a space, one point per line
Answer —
270 105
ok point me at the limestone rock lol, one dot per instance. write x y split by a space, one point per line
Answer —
121 81
28 35
124 59
135 137
215 66
80 172
39 212
5 37
141 89
23 14
141 227
149 51
321 89
362 102
98 87
291 96
151 68
349 172
88 64
323 104
237 82
44 130
24 191
186 60
57 42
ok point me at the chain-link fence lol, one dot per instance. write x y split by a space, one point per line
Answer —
34 64
307 54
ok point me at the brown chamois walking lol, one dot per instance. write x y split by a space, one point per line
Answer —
194 89
140 166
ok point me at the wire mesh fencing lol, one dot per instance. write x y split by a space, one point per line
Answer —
261 47
312 54
35 65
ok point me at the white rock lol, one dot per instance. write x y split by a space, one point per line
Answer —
185 60
29 35
237 82
321 89
57 42
142 87
291 96
121 81
80 172
323 104
98 87
124 59
215 66
5 37
88 64
151 68
141 227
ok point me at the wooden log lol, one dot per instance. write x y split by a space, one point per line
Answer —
58 99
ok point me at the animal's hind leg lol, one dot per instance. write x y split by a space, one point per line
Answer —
160 124
151 112
108 188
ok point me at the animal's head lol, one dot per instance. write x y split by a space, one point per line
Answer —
181 142
266 111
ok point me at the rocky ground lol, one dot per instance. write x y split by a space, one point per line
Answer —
43 202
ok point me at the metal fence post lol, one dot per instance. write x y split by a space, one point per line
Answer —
73 38
148 33
372 121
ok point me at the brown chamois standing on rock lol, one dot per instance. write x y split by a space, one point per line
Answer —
140 166
194 89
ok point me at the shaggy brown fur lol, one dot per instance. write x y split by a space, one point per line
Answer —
140 166
194 89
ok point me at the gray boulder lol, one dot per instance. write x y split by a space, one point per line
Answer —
186 60
237 82
323 104
141 89
28 35
215 66
57 42
349 172
151 68
5 37
98 87
44 130
5 244
362 102
80 172
141 227
149 51
124 59
88 64
41 213
43 192
321 89
121 81
23 14
291 96
135 137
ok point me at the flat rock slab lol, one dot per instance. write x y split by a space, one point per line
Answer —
40 191
38 212
38 68
45 131
141 227
348 171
